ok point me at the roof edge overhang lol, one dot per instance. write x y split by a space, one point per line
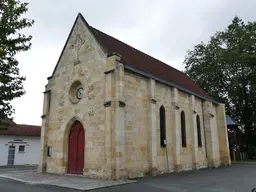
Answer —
79 15
56 65
233 122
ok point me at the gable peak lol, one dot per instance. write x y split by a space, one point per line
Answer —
79 15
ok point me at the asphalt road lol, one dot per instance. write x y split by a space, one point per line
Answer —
236 178
6 169
7 185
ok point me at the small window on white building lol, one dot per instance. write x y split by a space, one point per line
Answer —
22 148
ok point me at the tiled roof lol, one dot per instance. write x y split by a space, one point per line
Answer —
6 121
21 130
145 63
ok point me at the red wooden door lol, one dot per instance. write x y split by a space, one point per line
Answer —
80 152
76 149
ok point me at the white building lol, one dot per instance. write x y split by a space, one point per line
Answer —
19 144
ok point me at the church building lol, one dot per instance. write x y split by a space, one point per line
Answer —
112 111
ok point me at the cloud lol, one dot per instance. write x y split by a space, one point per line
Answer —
165 29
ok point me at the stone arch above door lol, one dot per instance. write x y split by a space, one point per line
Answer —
71 122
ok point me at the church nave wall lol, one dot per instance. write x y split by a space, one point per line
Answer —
136 124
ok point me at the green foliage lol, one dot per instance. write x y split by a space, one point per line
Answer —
12 41
226 68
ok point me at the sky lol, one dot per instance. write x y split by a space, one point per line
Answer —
164 29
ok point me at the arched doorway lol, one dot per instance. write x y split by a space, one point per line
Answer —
76 143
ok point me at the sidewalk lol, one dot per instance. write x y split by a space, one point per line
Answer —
244 162
67 181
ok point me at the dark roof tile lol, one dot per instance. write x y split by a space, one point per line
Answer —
143 62
21 130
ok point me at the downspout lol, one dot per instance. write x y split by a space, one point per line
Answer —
206 155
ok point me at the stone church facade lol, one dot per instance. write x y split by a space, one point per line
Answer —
112 111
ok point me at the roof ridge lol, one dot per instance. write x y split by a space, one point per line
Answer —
141 52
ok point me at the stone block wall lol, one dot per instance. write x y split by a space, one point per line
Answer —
164 98
215 138
202 156
186 152
62 112
138 101
136 125
223 135
120 113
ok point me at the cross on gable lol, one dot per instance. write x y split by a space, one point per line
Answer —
77 46
79 42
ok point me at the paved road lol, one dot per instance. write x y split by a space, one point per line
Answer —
14 186
6 169
236 178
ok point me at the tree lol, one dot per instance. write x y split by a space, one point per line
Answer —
12 41
226 68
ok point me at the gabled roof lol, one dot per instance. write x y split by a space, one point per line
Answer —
21 130
142 63
6 122
230 121
145 63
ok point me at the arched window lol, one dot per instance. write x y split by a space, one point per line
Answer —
199 138
183 129
162 126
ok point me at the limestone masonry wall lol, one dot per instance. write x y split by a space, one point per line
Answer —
137 133
120 113
186 152
90 111
164 98
202 161
136 124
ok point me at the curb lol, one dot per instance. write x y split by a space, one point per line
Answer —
76 188
245 163
16 179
